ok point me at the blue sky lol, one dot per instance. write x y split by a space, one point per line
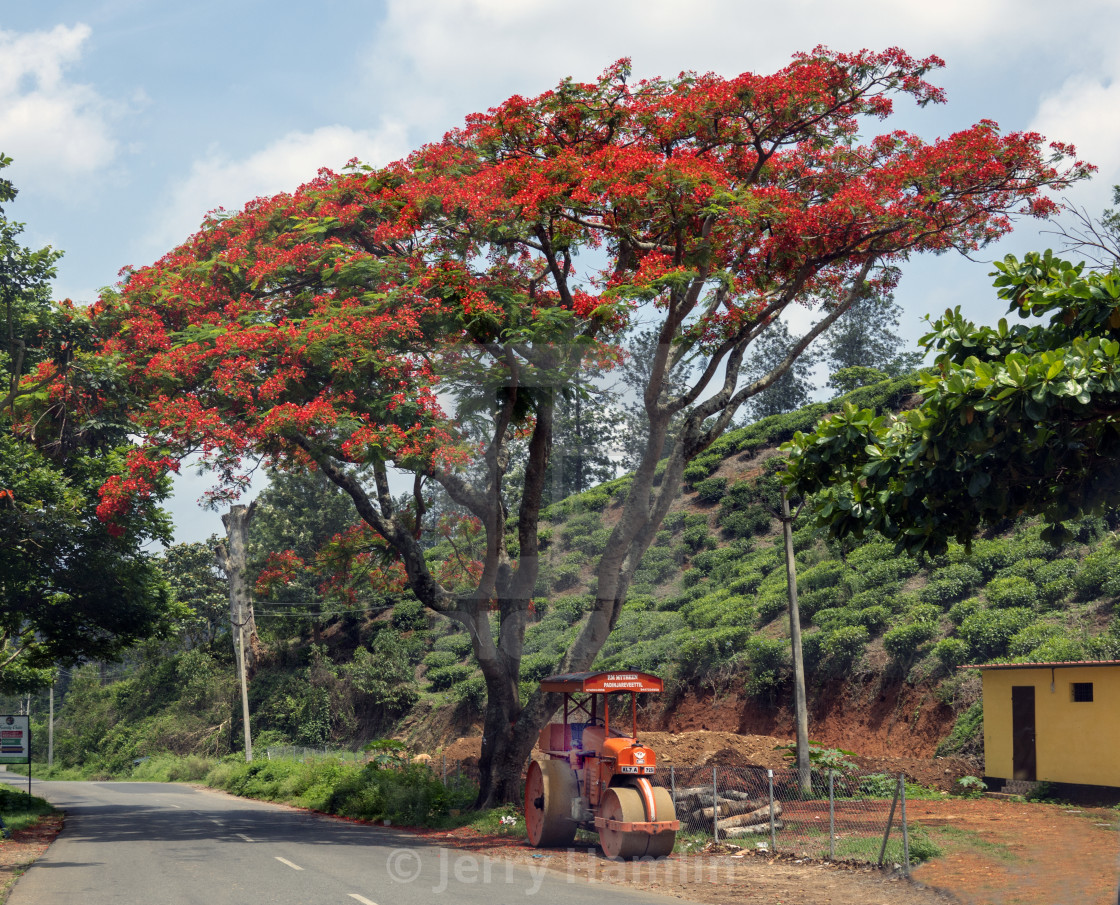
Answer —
129 119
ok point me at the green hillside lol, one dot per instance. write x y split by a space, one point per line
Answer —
706 611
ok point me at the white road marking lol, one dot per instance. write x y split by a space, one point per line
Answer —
289 863
180 807
243 836
361 899
218 822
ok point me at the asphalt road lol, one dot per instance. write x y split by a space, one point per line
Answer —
168 844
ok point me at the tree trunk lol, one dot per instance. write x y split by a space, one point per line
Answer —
232 556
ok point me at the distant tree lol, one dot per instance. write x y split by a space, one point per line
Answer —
584 435
71 588
864 337
298 514
194 580
633 374
793 389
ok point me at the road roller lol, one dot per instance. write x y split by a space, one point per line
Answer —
595 776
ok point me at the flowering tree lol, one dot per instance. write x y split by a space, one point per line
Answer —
424 316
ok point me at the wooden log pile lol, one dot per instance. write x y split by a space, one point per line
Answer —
736 813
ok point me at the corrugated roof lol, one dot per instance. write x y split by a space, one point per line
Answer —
1040 665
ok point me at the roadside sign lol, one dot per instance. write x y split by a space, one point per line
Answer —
15 739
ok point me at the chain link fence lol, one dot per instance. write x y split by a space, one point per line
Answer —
846 816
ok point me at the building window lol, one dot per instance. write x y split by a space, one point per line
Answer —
1081 691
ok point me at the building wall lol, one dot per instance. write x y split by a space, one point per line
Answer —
1075 742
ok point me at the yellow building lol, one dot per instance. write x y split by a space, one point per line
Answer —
1054 722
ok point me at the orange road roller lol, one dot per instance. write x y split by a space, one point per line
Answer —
596 777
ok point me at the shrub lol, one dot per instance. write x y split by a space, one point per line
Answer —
698 538
990 556
1012 591
537 666
823 598
952 652
1025 642
700 654
904 642
874 618
767 662
958 612
657 565
989 632
438 659
843 645
1099 575
444 677
826 574
834 617
408 615
565 575
771 605
710 490
967 737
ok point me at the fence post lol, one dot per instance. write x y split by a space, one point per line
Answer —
831 817
443 768
673 785
715 806
773 829
905 834
890 820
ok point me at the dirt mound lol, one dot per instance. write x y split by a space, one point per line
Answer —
701 748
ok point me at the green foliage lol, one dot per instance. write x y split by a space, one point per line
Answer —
1014 419
444 677
402 793
710 490
20 811
767 663
967 735
988 633
842 646
409 615
952 652
1099 575
1012 591
904 642
958 612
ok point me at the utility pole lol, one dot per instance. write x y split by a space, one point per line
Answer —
244 690
231 556
50 732
800 709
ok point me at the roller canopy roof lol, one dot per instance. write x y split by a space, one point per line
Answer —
602 682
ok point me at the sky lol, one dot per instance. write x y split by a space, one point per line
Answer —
128 120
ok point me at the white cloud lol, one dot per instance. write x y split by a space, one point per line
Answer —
56 130
218 181
1083 111
438 59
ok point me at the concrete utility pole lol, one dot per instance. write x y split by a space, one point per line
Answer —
800 709
50 732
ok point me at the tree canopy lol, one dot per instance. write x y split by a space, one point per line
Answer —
423 316
1019 419
69 588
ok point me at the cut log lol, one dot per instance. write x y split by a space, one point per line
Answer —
703 794
728 808
757 829
754 816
